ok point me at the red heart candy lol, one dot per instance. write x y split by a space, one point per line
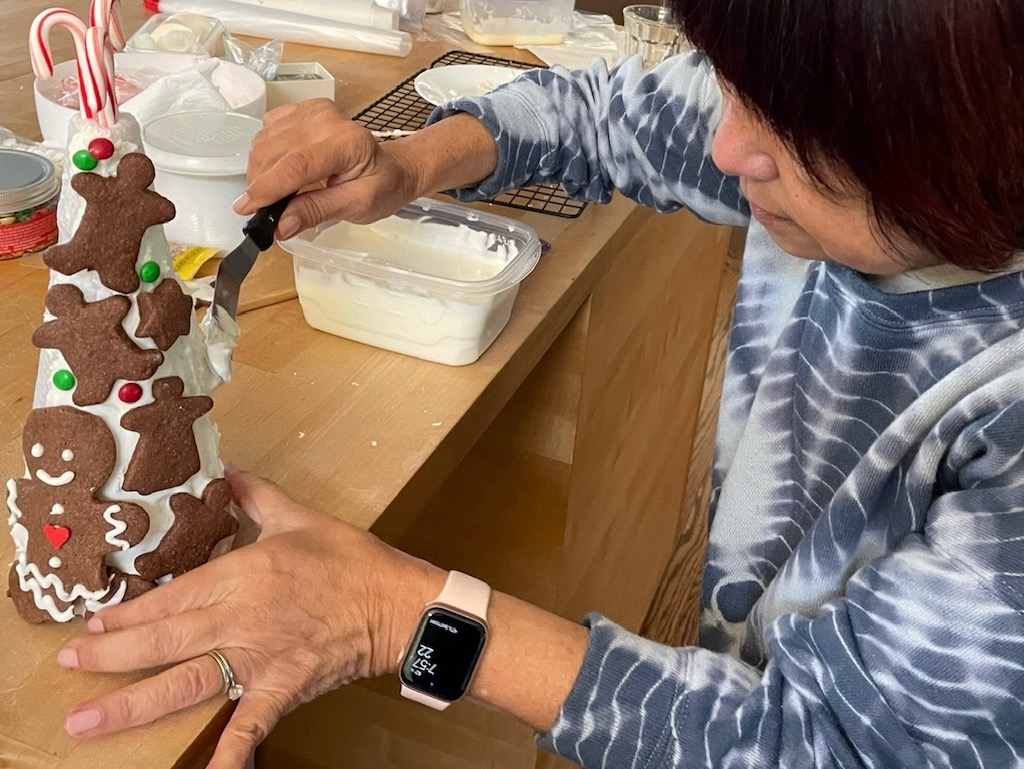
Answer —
57 535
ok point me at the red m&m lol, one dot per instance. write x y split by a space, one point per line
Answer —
130 392
101 149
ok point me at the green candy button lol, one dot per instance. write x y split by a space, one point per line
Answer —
64 380
84 161
150 272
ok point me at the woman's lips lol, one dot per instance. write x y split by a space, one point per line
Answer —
767 218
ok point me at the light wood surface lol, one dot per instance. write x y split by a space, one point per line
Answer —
554 467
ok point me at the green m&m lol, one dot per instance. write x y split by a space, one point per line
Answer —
84 160
149 272
64 380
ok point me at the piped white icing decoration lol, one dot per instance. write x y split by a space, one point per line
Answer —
118 596
112 536
55 562
61 480
67 455
57 509
37 450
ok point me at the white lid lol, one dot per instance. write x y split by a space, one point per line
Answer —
201 143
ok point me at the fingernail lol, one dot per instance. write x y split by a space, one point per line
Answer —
241 205
81 721
288 226
67 658
95 625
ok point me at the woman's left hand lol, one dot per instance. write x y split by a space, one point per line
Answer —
313 604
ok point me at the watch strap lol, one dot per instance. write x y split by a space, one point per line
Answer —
467 595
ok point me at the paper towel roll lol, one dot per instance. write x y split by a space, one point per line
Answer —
365 12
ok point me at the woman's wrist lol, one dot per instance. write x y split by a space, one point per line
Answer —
405 587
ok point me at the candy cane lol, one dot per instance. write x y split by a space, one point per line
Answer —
90 89
102 14
100 64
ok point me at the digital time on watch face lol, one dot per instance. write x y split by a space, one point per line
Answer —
443 654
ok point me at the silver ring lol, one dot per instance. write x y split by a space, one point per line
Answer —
232 688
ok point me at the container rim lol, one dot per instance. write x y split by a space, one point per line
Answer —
362 263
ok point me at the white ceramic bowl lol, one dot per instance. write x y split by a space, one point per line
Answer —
443 84
244 90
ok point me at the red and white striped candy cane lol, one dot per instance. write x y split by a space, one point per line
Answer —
100 59
102 14
91 88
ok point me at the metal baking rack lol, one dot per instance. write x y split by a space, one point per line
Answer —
402 109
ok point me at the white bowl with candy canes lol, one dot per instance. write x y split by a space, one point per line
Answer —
57 97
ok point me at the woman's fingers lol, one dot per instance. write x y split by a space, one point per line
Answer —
269 507
190 591
141 647
179 687
252 721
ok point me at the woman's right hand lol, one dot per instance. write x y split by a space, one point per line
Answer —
311 143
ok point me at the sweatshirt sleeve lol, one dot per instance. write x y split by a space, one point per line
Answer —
919 664
645 133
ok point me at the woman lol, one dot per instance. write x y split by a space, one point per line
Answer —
864 590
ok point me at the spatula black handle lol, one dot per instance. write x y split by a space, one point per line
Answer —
260 229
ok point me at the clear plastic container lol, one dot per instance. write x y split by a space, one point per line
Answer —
179 33
516 22
435 281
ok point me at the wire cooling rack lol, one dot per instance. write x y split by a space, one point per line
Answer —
402 109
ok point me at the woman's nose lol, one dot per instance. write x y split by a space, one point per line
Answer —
740 146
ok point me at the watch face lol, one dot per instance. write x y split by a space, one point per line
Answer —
443 654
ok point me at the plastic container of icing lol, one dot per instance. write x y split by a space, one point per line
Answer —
179 33
436 280
516 22
29 188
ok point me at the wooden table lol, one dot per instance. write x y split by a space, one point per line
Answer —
555 467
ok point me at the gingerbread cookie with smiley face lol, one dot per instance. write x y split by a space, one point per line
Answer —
66 528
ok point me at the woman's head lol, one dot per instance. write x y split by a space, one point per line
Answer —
906 113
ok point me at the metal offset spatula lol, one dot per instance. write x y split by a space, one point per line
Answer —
259 236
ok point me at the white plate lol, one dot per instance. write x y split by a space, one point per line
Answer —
442 84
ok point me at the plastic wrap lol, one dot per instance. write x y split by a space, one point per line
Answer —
368 13
245 19
263 60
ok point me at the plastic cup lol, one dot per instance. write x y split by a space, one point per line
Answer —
651 31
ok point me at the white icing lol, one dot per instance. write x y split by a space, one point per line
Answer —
91 604
67 455
57 509
55 562
201 358
12 504
37 450
113 536
61 480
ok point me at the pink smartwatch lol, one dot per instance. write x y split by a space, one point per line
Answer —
439 662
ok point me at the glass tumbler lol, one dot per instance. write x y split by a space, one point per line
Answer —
651 31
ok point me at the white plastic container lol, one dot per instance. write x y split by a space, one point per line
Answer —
299 81
200 160
179 33
516 22
435 281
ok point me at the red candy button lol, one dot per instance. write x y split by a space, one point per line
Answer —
57 535
129 393
101 149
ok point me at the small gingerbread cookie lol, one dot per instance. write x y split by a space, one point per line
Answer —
165 314
199 524
166 454
119 209
91 338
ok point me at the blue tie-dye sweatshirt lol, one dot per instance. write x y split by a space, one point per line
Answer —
863 601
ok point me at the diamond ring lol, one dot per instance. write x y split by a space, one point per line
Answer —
232 688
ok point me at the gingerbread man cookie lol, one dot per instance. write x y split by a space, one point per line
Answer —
199 524
119 209
94 343
70 454
166 454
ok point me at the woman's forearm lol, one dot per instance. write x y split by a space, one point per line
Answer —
452 153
